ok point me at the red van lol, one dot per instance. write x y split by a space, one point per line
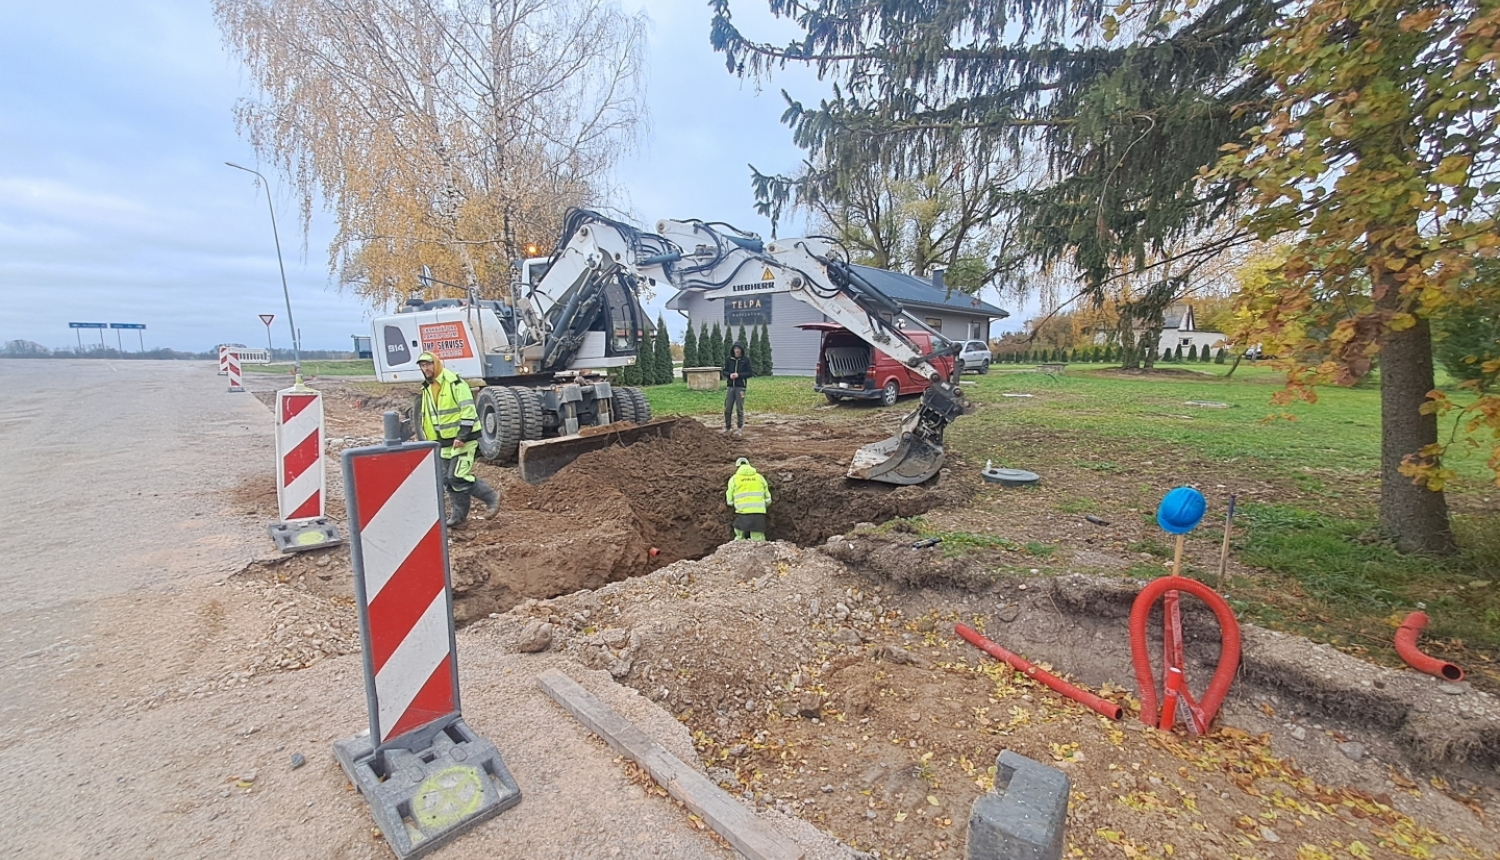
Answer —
848 367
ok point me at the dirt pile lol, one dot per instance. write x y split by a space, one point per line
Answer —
834 693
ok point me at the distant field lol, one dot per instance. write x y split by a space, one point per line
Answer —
350 367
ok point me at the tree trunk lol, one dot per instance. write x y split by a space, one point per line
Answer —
1415 516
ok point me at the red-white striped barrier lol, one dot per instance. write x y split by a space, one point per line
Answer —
223 361
234 371
300 477
401 583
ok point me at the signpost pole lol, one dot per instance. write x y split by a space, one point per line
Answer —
119 342
141 333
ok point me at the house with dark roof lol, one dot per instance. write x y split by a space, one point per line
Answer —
957 316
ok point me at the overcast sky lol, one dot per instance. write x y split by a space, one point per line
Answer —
116 206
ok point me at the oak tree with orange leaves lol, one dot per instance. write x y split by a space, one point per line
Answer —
1380 156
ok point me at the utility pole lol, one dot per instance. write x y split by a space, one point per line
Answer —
296 348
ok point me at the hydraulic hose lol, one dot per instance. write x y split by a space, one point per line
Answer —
1229 654
1081 696
1406 645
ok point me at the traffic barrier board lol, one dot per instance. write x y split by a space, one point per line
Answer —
234 371
426 776
301 480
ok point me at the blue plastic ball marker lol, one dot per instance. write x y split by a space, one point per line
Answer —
1181 510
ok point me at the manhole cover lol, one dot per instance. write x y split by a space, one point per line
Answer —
1010 477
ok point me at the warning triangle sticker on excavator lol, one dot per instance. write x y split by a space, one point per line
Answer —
768 276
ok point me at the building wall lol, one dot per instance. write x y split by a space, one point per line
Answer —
1170 338
795 350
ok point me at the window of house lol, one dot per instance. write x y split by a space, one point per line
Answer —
934 323
974 333
1187 341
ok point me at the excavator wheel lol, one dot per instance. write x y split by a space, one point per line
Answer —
499 424
623 405
642 406
530 405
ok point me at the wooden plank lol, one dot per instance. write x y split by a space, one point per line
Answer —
729 818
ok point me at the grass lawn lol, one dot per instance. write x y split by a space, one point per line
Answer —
1323 570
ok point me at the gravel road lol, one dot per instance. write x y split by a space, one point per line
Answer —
131 722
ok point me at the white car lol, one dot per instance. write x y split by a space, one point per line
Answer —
975 356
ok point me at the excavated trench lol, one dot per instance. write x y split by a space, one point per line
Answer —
619 512
626 511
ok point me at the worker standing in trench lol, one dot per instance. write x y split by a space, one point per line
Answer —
749 495
449 418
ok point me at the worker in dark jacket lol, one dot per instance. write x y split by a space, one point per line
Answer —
449 418
736 370
749 495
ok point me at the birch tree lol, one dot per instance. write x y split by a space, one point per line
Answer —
450 133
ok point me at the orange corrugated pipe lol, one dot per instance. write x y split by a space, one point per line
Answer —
1229 654
1079 695
1406 645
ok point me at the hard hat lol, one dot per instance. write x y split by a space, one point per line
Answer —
427 357
1181 510
742 462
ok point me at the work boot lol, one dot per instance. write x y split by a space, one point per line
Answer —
491 499
458 510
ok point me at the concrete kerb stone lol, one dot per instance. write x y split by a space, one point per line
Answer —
1025 817
423 799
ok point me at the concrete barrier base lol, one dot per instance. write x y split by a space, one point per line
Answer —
1025 817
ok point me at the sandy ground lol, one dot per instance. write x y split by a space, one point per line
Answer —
130 723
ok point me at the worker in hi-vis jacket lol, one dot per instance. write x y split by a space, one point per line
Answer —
749 495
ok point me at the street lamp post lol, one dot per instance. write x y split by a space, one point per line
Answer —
296 347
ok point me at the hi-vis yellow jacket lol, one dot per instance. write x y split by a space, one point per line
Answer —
747 491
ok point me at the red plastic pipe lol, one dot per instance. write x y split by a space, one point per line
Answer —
1081 696
1229 654
1406 645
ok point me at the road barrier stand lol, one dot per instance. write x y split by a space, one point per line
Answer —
425 774
223 361
300 477
234 371
1025 816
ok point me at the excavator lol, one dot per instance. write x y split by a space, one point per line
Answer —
571 317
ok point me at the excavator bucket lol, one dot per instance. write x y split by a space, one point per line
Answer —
902 459
916 453
541 459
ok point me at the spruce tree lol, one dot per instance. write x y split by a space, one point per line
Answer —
716 345
1192 352
630 374
742 341
1177 355
767 363
1203 355
759 342
1166 353
705 348
664 372
689 350
1219 356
